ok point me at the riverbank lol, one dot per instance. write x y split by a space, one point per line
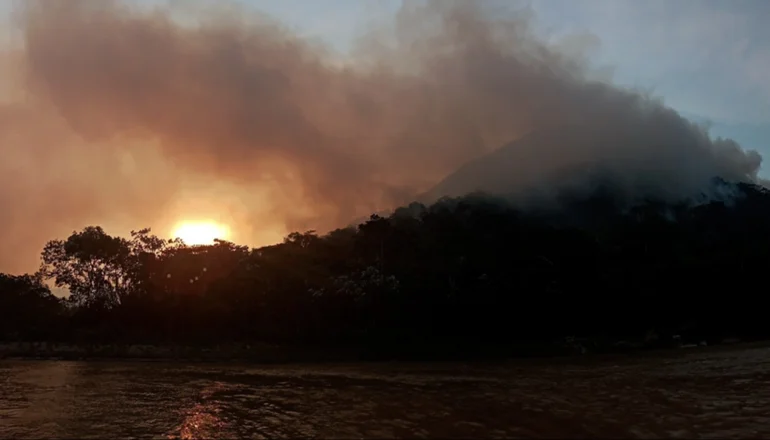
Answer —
270 354
144 352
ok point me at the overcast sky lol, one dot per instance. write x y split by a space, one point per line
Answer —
202 145
709 59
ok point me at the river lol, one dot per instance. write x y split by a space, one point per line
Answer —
700 393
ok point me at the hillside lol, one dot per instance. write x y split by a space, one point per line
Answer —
579 160
458 278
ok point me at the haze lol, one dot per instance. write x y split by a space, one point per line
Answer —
129 116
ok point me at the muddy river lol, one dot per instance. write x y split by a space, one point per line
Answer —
716 393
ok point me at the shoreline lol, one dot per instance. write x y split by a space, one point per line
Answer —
157 353
263 354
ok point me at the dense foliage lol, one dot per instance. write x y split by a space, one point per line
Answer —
461 274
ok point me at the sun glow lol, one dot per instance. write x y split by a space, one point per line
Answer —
200 233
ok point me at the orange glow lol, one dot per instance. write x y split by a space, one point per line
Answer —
200 233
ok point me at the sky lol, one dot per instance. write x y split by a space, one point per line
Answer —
329 110
709 59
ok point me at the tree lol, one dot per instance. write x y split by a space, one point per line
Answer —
98 269
460 274
27 306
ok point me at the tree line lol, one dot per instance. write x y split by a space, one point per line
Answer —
460 275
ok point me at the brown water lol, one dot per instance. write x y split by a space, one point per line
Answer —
701 393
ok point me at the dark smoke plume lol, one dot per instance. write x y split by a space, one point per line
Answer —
129 117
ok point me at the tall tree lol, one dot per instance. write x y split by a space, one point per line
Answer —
99 269
26 306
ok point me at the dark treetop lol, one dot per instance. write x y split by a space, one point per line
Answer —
462 276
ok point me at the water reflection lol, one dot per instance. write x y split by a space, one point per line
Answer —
701 394
203 419
201 423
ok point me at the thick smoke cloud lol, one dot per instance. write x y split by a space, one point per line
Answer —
129 117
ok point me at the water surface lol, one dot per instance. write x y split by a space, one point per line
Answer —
702 393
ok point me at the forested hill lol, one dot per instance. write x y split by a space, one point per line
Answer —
461 274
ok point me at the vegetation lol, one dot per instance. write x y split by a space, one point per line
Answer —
462 276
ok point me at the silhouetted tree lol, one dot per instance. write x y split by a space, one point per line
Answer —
460 276
28 310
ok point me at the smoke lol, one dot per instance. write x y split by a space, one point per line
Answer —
125 117
648 153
